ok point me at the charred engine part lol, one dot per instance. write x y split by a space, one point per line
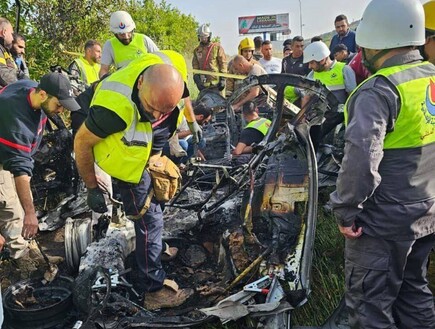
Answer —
91 289
77 84
99 229
102 263
109 252
217 139
30 304
54 171
226 125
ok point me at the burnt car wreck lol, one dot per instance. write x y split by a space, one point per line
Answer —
245 231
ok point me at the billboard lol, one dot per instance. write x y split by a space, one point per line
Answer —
264 23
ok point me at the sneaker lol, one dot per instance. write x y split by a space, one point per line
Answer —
169 296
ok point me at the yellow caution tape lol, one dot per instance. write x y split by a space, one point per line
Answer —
218 74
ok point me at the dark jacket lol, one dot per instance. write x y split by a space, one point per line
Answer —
21 127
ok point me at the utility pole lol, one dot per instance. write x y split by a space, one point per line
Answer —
300 15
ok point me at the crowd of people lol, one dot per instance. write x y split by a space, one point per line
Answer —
384 201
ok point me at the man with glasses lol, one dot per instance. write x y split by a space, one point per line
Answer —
133 113
24 108
126 45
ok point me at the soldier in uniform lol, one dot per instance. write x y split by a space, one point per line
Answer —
8 68
209 56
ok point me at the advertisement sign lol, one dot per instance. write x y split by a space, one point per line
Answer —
264 23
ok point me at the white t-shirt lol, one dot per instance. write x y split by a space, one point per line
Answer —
272 66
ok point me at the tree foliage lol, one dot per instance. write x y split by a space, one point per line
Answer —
53 25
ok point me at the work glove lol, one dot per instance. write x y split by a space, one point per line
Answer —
196 131
198 82
96 200
221 84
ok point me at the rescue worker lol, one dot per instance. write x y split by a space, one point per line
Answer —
246 49
24 107
385 197
126 128
126 45
336 76
87 67
18 51
428 50
8 68
254 131
208 56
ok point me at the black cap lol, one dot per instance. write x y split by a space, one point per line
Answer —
57 85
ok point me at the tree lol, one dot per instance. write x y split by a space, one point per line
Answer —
50 24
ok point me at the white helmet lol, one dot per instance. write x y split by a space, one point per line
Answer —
316 51
204 31
387 24
121 22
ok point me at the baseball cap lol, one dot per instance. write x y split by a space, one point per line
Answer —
57 85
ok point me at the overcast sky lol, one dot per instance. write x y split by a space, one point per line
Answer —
317 15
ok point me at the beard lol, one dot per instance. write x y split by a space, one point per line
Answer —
125 42
45 107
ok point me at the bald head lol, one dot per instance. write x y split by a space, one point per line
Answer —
241 64
160 89
6 32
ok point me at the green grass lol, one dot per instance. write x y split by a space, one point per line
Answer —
327 284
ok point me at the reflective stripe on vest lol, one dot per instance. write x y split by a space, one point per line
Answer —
262 125
332 79
175 59
8 60
124 154
88 72
415 124
122 54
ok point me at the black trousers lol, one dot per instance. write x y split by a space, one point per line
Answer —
148 230
386 283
